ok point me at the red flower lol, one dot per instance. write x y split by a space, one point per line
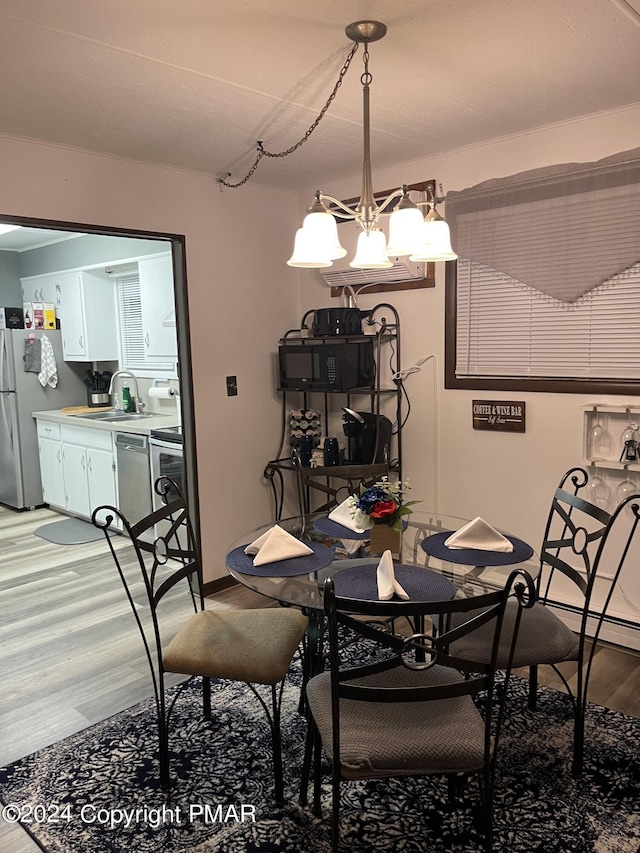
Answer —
384 509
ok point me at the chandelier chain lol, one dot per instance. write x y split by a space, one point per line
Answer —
366 76
262 151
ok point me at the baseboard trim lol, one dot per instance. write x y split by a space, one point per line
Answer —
211 587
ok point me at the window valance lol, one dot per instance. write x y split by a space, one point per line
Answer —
561 230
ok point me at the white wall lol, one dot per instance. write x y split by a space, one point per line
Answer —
241 299
506 478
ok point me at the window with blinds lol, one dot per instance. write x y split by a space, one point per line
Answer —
505 328
546 294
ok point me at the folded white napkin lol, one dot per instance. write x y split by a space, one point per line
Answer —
276 544
481 535
343 514
351 546
387 583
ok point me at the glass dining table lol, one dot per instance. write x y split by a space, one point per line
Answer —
425 566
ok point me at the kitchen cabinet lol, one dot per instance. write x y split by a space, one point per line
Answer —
77 467
87 317
158 308
41 288
89 469
50 453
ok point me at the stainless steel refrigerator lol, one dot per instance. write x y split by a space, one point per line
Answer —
21 394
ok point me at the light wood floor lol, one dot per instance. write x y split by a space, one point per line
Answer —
70 652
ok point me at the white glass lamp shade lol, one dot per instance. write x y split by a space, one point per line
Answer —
4 228
323 230
370 252
305 253
405 232
435 244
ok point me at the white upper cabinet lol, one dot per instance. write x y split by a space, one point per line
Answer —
41 288
158 308
87 317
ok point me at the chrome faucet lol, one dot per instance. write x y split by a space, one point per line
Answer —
139 404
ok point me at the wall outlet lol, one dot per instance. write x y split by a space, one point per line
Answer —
232 386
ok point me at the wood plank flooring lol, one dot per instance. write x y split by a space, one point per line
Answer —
70 653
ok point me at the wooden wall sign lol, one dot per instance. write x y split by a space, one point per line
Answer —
499 415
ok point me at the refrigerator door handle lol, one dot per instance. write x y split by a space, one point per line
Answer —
4 384
7 424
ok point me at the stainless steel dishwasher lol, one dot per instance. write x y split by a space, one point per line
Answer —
134 475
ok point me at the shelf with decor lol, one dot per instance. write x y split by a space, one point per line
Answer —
341 387
611 449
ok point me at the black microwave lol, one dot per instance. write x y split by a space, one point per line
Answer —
327 367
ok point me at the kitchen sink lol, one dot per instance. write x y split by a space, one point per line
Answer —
114 417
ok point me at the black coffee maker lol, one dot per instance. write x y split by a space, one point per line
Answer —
369 437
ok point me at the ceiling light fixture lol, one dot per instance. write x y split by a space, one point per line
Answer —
5 229
317 243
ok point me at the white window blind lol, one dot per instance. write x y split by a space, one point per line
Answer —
130 316
548 281
507 329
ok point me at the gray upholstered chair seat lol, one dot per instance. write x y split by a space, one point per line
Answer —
379 739
542 639
242 645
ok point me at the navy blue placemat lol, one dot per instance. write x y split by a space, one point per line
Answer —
420 583
329 527
434 545
320 558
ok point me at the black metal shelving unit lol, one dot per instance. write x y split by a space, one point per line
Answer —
328 482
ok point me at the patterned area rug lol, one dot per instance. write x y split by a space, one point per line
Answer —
95 791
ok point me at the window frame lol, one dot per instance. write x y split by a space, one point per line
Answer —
629 387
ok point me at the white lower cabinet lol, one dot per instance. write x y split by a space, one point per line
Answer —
89 468
77 466
50 450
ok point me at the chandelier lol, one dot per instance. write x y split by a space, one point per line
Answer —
422 237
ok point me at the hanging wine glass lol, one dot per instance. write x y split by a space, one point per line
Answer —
627 487
599 492
629 443
600 442
629 433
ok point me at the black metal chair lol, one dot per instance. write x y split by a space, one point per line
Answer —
583 553
407 710
253 646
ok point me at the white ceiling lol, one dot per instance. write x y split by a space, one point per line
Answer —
195 83
24 239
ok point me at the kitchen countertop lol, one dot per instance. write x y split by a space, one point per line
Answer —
142 426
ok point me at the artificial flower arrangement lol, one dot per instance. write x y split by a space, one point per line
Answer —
381 504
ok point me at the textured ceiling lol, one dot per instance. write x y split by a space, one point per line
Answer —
195 83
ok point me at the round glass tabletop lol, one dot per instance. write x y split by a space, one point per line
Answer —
304 588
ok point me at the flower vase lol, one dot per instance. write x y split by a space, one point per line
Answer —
385 538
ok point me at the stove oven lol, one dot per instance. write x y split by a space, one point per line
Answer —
167 458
